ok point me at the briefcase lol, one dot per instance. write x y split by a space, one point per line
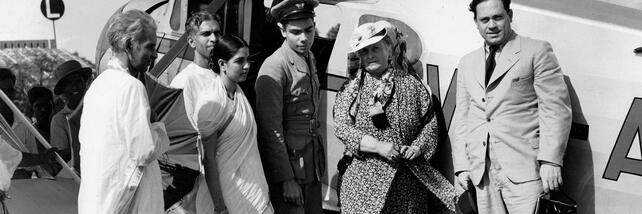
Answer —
467 203
558 203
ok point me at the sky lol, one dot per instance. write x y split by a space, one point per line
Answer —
76 31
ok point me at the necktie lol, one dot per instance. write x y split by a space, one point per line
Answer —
490 62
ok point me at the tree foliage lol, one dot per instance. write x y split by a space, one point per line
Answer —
35 67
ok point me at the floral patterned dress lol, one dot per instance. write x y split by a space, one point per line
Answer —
372 184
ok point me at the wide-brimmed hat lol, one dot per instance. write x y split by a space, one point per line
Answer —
371 33
65 70
293 9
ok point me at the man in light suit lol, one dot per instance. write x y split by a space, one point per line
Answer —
513 115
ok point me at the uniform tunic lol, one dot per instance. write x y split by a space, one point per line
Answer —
287 109
372 184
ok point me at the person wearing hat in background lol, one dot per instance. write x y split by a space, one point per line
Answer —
41 103
71 87
30 155
41 107
7 82
10 158
41 110
386 120
287 109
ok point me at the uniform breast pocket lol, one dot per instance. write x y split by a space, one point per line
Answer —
298 92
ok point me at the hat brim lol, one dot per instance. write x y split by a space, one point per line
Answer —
58 87
367 42
296 15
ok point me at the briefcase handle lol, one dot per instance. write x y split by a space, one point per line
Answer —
565 196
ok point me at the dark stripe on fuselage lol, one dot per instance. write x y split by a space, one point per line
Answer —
334 82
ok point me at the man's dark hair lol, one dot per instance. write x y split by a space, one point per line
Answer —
473 6
6 113
39 92
194 21
6 73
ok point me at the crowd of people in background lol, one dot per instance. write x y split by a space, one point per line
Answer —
511 123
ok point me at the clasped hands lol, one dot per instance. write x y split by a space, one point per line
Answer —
391 151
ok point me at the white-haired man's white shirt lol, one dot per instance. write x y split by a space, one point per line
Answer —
9 160
120 147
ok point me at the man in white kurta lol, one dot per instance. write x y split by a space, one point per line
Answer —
9 160
9 156
119 147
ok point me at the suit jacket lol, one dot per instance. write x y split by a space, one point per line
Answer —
287 108
524 112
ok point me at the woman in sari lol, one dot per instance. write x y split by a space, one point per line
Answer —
385 119
228 130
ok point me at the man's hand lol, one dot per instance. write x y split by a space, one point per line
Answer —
224 211
551 176
387 150
410 152
49 155
463 179
292 192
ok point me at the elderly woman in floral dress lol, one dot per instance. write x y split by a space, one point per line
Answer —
385 119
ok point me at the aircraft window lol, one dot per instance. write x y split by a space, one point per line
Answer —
414 45
229 15
197 5
327 21
633 4
627 13
268 3
433 78
175 18
327 24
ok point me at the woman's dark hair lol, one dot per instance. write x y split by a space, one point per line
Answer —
473 6
225 48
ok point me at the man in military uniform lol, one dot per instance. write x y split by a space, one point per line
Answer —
287 108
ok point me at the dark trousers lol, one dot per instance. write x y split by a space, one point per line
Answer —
311 195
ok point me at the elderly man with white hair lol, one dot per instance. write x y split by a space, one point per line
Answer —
120 146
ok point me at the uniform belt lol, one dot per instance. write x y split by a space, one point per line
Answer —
297 124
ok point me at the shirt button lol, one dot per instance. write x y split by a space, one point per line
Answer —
483 100
487 119
484 143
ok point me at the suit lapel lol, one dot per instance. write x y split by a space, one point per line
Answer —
479 58
508 57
